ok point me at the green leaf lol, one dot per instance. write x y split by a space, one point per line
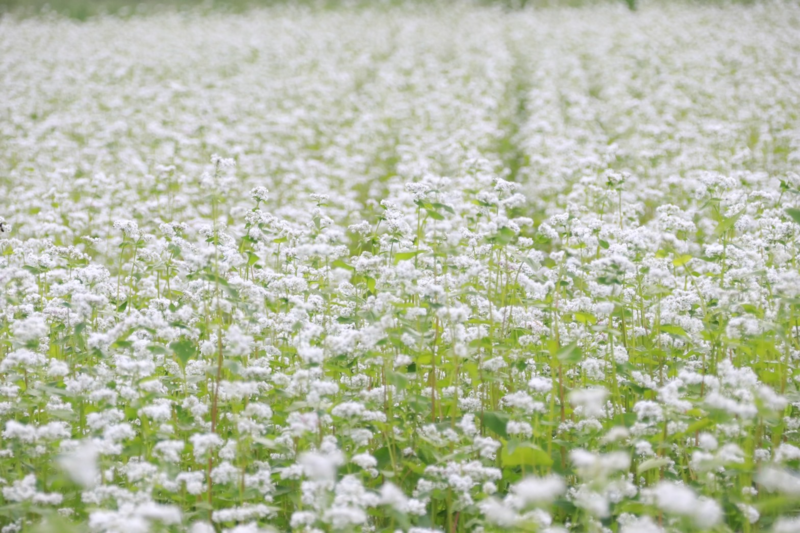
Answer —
435 214
445 207
496 421
341 264
405 256
585 318
656 462
184 350
681 260
524 454
727 223
794 213
673 330
154 348
569 354
505 235
398 380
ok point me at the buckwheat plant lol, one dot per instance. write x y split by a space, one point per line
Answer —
454 269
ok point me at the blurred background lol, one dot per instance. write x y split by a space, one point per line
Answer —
85 9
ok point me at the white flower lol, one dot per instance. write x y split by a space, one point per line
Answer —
80 464
534 490
591 401
681 500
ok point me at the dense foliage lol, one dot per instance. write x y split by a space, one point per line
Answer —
452 270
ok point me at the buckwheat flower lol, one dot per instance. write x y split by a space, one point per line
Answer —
750 513
251 527
258 410
22 432
349 410
364 460
770 399
774 479
536 491
311 354
743 409
643 448
194 481
679 499
300 423
593 466
614 434
242 513
392 496
223 162
417 507
30 329
80 464
494 364
22 359
467 425
593 502
487 446
302 518
637 524
361 436
591 401
786 525
523 401
707 441
25 490
519 428
129 228
402 360
620 354
319 466
169 450
204 443
201 527
540 384
236 342
344 516
761 454
498 512
259 194
56 368
159 411
118 432
166 514
648 411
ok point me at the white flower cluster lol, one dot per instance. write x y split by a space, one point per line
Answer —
415 268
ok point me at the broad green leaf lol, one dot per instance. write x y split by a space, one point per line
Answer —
525 454
681 260
673 330
341 264
650 464
727 223
184 350
569 354
496 421
794 213
405 256
434 214
397 379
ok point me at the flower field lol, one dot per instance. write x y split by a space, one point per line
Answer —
416 268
